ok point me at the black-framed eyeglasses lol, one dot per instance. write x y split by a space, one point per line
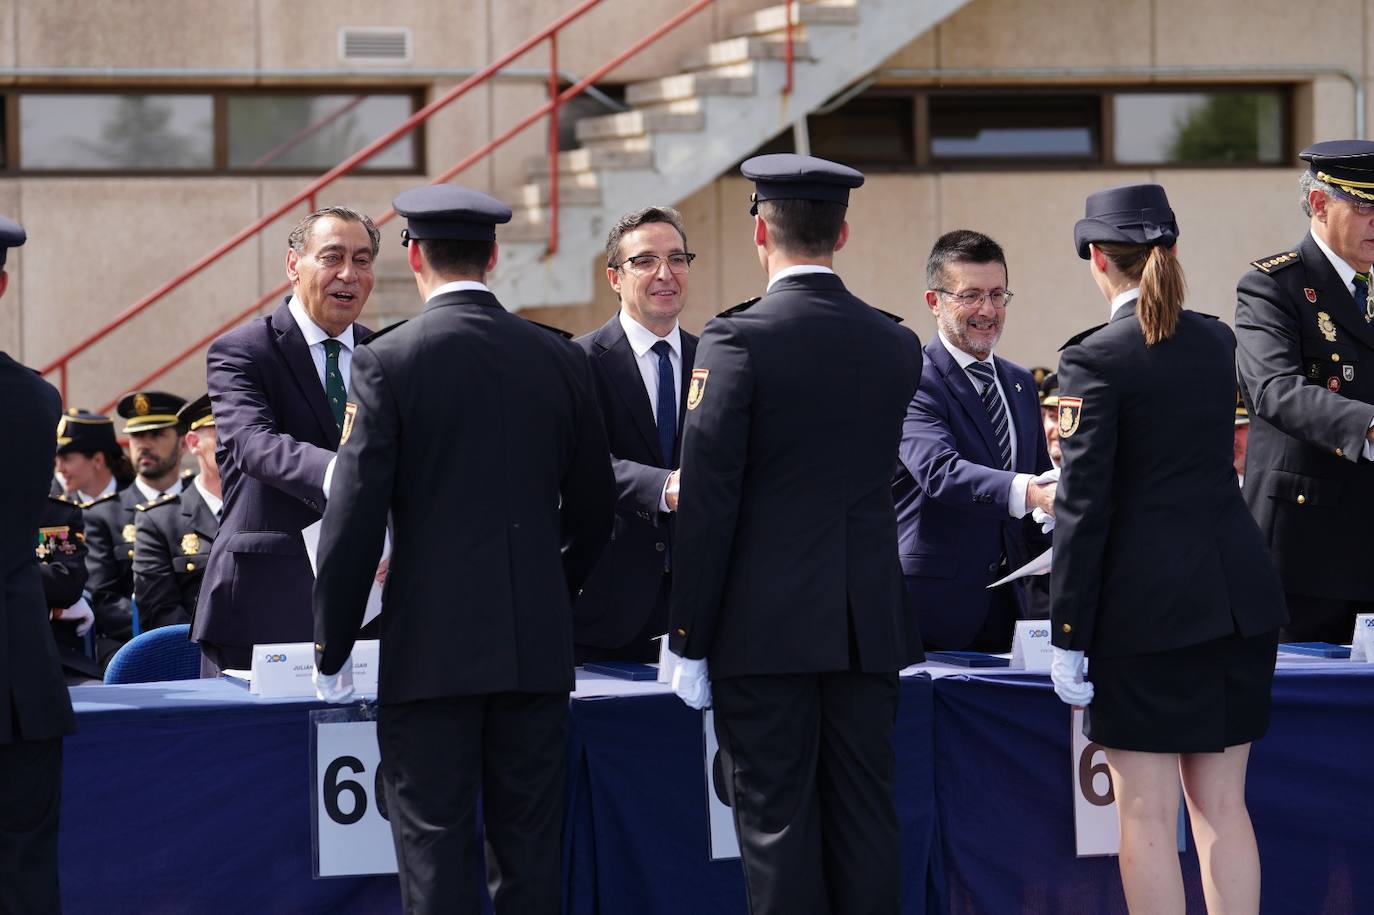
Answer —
997 298
646 264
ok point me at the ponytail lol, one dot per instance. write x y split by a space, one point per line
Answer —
1162 286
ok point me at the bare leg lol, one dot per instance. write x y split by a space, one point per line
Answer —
1214 784
1146 787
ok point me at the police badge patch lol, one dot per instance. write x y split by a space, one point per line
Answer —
1070 413
697 389
128 533
1326 326
190 544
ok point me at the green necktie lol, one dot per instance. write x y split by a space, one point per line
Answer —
333 381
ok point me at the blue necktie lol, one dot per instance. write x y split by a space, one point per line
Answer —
667 403
997 411
1362 296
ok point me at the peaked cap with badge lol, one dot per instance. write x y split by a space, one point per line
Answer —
85 432
146 411
1305 356
196 414
788 176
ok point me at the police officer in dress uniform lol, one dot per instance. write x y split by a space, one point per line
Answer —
61 553
89 458
1160 574
35 709
155 450
788 603
1305 334
479 432
172 536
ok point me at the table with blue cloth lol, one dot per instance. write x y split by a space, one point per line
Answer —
195 796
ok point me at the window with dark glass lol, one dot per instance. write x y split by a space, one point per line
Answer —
123 132
290 132
867 131
1014 128
1240 127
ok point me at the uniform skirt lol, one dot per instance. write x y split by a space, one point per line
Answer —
1197 699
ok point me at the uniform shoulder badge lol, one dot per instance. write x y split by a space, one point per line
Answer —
1070 414
696 390
1275 262
549 327
350 412
1081 336
377 333
889 315
742 306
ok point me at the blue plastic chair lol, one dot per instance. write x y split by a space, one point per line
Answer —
158 654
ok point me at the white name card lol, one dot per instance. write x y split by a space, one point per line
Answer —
1362 642
1097 829
1030 646
667 661
724 842
283 670
352 833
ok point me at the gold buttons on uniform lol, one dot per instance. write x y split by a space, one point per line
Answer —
1067 628
682 632
190 566
1335 357
1302 500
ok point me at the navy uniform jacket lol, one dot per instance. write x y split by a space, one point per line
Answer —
62 552
34 704
1153 546
953 521
471 426
172 543
620 596
1306 359
110 560
275 437
786 533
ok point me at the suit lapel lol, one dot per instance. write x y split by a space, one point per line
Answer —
1333 296
296 354
1021 418
197 514
623 370
961 387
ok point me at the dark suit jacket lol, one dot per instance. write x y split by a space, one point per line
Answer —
786 551
622 594
1307 372
110 561
480 433
34 704
172 542
1153 546
276 435
954 526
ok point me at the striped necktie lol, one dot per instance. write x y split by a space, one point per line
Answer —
997 411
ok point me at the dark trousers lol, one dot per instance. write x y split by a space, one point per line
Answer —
1320 619
808 767
30 796
436 756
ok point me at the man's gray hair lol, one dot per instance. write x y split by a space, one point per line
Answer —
296 240
1309 183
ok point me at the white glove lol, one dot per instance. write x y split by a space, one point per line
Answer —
337 687
1039 515
79 613
1066 670
691 682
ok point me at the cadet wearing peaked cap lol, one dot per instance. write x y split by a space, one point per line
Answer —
468 425
787 603
81 435
1305 329
1161 577
155 450
173 535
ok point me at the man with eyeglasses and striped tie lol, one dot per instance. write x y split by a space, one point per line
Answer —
971 449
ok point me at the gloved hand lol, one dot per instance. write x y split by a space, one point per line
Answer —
691 682
1039 515
79 613
1066 670
336 687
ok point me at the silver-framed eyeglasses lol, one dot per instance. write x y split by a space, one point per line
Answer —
646 264
997 298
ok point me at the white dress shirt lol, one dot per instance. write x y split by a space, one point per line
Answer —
314 339
1123 299
642 341
1016 496
212 501
111 487
458 286
797 270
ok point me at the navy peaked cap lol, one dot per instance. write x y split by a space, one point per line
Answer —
1347 165
448 211
787 176
1133 214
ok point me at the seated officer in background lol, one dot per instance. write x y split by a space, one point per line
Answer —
173 535
639 358
155 450
62 560
479 433
1049 417
89 459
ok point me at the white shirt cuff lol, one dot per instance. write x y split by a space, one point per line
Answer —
1016 499
1368 445
663 496
329 475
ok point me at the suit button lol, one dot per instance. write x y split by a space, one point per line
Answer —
659 546
1340 453
992 567
1067 628
1302 500
682 633
190 566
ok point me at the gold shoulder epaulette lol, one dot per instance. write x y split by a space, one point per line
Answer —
1081 336
742 306
1275 262
164 499
102 499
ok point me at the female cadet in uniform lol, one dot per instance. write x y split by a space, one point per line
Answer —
1160 575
